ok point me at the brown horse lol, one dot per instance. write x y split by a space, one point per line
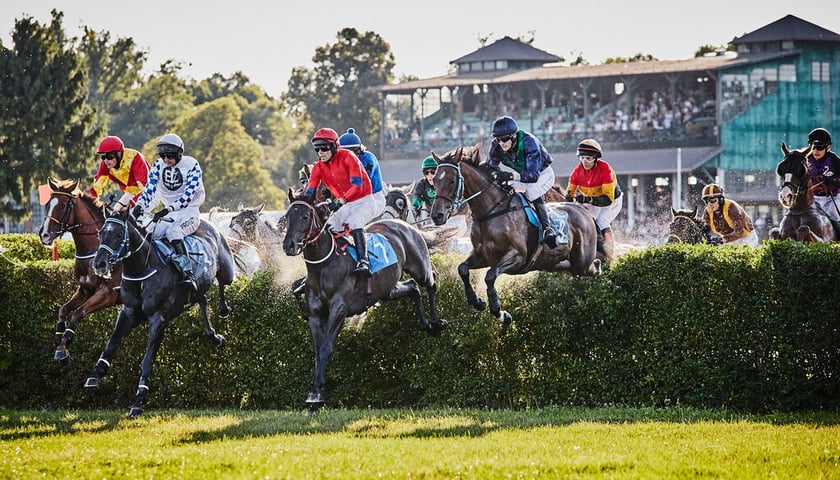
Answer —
334 292
71 210
685 227
502 236
803 221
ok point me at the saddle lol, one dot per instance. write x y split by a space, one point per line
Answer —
381 253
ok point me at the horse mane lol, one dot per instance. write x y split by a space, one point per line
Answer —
72 187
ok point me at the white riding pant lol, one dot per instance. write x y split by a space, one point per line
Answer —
355 214
183 222
534 190
830 205
751 239
604 215
379 199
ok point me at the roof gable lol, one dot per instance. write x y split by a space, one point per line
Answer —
508 49
789 27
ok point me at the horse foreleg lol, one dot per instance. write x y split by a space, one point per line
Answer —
224 309
324 336
157 325
103 297
493 296
464 272
126 321
216 339
410 288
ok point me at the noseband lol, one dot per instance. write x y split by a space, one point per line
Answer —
314 231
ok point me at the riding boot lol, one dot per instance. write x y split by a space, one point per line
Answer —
549 238
363 264
609 243
182 262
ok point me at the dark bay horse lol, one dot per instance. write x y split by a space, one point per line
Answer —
71 210
150 290
803 220
502 236
334 293
685 227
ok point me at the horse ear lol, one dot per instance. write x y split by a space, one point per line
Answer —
291 195
694 212
74 185
259 208
240 207
674 212
785 149
53 184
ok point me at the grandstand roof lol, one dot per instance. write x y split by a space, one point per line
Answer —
788 28
508 49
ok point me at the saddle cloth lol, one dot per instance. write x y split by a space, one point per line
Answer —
559 220
380 252
194 247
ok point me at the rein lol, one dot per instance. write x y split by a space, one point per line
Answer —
314 233
65 227
459 200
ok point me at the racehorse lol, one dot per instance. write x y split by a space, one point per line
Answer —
71 210
333 292
251 226
150 289
685 227
803 220
502 236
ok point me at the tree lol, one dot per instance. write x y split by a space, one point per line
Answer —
46 127
230 159
639 57
154 108
336 93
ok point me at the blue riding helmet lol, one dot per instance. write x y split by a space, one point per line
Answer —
504 126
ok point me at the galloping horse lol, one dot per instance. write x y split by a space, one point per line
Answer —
71 210
502 235
685 227
333 292
150 289
803 221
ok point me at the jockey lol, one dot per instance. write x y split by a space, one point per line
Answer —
424 191
727 218
130 175
352 142
593 184
353 204
524 164
824 169
176 181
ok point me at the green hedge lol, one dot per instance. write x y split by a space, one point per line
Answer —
752 329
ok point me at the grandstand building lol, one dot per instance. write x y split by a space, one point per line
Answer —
667 127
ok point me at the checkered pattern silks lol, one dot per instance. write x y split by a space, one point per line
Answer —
177 187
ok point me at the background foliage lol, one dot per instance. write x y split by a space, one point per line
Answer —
734 327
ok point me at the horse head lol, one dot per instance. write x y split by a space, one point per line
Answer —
114 242
396 204
244 224
305 222
685 227
456 186
70 210
796 182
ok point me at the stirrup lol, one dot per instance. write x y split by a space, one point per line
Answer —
549 238
363 267
189 281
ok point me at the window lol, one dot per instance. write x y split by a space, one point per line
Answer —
489 65
820 72
501 65
476 67
787 72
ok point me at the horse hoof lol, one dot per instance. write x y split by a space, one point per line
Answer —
219 341
505 318
92 382
61 356
314 408
480 305
224 311
135 412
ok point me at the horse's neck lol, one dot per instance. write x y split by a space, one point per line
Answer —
265 232
86 234
320 249
803 200
142 258
475 182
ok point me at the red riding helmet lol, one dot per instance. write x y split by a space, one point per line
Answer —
111 144
325 136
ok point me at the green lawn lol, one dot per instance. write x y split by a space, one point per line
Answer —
549 443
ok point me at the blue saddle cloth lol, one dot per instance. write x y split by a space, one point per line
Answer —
380 252
559 220
194 247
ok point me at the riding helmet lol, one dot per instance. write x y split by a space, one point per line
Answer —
350 140
504 126
171 143
111 144
712 190
819 137
589 148
429 162
326 136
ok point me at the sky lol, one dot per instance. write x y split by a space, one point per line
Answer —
265 40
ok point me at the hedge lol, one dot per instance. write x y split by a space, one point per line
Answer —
750 329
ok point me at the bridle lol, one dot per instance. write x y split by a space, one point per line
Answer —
123 251
697 237
314 231
65 227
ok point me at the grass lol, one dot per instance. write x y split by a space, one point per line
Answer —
468 444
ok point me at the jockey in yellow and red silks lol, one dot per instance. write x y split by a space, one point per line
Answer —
125 167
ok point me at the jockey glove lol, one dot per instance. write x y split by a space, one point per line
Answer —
581 198
138 211
334 204
161 214
500 176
